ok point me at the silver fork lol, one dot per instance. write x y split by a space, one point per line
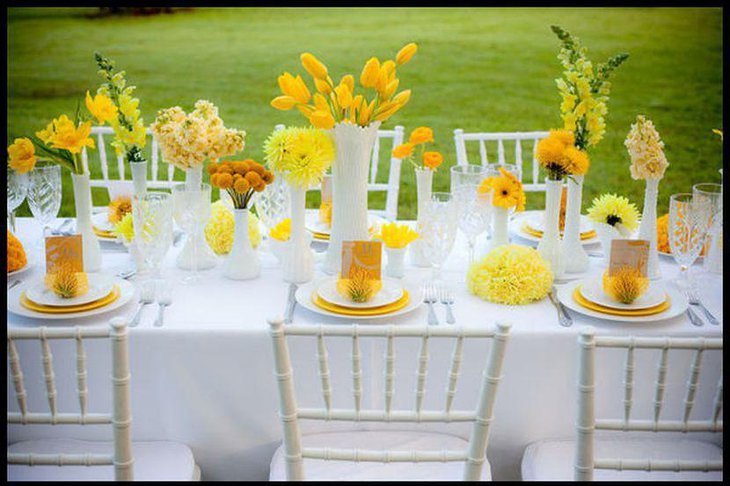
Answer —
695 301
13 284
146 296
429 297
447 300
563 318
164 299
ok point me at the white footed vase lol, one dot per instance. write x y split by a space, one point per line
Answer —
572 245
139 177
349 188
549 246
500 235
297 262
395 266
242 263
89 241
606 234
424 184
647 228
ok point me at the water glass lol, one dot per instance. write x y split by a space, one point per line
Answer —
44 196
17 190
152 220
191 210
688 220
467 174
272 205
438 231
474 211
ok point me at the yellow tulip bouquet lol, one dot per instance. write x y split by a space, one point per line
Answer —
419 137
332 103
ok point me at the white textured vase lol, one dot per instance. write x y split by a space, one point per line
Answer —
606 234
396 262
647 228
242 263
89 241
139 177
500 235
424 184
576 260
297 263
349 188
549 246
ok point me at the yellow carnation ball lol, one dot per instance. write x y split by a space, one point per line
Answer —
221 227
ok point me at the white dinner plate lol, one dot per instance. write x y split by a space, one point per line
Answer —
127 291
593 290
519 219
303 297
100 286
678 307
391 291
101 221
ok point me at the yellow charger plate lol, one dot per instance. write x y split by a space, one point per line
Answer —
372 311
582 301
29 304
538 234
103 234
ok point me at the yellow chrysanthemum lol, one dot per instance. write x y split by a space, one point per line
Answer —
396 235
125 228
282 230
301 154
646 150
118 208
510 274
101 106
21 155
625 285
221 227
614 210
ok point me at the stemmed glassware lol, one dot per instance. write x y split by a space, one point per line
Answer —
191 210
688 220
474 212
17 190
44 196
273 204
470 174
712 194
152 219
439 230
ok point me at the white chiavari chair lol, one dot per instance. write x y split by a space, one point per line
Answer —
426 455
392 186
532 138
121 459
630 458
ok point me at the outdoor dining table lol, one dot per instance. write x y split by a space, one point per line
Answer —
206 377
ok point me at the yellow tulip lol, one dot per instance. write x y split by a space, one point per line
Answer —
402 97
344 96
101 107
283 102
384 115
364 117
385 107
22 155
406 53
348 81
389 67
382 80
301 93
306 110
287 84
390 89
313 66
357 102
322 86
370 73
320 102
322 119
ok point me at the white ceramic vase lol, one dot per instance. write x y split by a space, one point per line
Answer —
139 177
195 254
242 263
424 184
647 228
89 241
349 188
395 266
549 246
606 234
500 221
577 261
297 263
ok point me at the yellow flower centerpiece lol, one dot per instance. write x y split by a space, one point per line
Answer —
507 193
396 237
625 285
510 274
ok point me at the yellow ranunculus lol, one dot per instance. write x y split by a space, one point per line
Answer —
370 73
403 150
313 66
283 102
421 135
101 107
61 133
22 155
406 53
432 160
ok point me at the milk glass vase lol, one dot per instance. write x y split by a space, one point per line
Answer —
297 262
89 241
242 263
354 145
424 184
549 246
500 235
572 245
647 228
139 177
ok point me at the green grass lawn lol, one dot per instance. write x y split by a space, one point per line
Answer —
478 69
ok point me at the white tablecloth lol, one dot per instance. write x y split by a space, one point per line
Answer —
205 378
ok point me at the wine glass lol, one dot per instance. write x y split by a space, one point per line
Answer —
712 194
44 196
17 189
152 220
272 205
439 230
688 219
191 210
474 211
467 174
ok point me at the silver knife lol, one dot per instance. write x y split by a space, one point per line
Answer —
290 303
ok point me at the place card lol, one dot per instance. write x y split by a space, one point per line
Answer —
67 250
361 254
629 253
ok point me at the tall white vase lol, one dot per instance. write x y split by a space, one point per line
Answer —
242 263
298 259
647 228
424 184
139 177
90 243
549 246
349 188
195 254
576 260
500 235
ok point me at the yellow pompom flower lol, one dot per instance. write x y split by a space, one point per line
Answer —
220 229
396 235
282 230
406 53
625 285
576 161
616 211
360 287
315 68
102 107
67 283
21 155
510 274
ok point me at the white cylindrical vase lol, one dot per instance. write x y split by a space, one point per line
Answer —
139 177
549 246
90 243
395 266
500 234
297 263
424 184
194 176
647 228
350 171
242 263
572 244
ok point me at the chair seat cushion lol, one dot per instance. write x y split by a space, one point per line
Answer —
317 469
552 460
153 461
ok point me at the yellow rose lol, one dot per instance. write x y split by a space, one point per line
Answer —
101 107
421 135
22 155
406 53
